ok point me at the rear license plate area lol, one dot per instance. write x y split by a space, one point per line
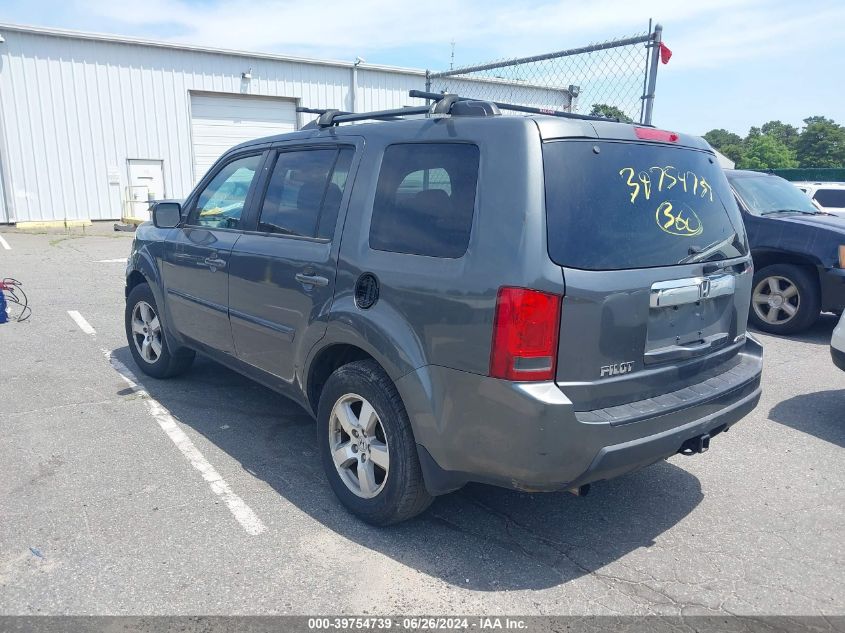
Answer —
688 317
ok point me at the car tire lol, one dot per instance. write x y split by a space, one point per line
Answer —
147 337
370 459
785 299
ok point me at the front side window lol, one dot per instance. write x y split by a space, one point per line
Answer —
304 193
221 203
831 198
425 199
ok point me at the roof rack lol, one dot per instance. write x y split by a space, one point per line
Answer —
329 118
444 104
436 96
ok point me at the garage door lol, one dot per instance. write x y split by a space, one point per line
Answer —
219 122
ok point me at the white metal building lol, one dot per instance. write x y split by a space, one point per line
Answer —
92 124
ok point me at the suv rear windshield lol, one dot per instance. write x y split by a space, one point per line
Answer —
613 205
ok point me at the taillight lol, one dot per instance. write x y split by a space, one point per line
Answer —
651 134
525 334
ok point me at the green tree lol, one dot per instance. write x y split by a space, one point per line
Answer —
821 143
734 151
609 111
785 133
721 138
766 152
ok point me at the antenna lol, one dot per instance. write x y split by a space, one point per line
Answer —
452 62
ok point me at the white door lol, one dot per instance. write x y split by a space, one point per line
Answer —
219 122
146 183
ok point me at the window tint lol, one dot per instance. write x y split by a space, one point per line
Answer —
221 203
304 193
830 197
337 185
425 199
615 205
437 178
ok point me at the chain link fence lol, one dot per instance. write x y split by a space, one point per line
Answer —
615 78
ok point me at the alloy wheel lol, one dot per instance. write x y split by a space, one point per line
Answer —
358 446
146 332
776 300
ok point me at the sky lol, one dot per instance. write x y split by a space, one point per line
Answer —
735 63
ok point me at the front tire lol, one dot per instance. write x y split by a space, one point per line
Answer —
367 447
785 299
147 338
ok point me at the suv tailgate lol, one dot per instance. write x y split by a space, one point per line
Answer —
656 266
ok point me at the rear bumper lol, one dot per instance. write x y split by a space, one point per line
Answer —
832 281
528 436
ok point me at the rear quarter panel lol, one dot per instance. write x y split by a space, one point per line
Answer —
437 310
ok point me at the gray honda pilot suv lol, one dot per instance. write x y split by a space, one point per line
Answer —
537 302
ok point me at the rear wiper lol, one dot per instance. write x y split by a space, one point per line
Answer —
700 253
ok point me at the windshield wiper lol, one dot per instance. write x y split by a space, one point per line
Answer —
788 211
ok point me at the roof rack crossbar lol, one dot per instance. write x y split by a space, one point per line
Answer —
381 114
318 110
436 96
442 105
329 117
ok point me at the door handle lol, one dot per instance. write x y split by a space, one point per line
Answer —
214 262
312 280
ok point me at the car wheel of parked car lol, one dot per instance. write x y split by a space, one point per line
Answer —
146 337
367 446
786 299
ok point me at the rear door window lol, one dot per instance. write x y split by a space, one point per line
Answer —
304 192
425 199
618 205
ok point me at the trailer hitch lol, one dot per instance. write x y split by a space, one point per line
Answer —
695 445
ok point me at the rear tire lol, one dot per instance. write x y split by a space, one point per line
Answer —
367 446
147 337
785 299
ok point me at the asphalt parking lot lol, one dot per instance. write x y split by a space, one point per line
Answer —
106 509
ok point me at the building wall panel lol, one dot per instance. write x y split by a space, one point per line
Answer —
76 108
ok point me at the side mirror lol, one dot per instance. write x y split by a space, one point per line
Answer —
167 215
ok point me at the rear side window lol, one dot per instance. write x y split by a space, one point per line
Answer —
830 197
425 199
304 192
617 205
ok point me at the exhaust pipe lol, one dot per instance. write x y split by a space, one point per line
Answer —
696 445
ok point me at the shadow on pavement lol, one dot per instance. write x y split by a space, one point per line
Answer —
818 334
821 414
481 537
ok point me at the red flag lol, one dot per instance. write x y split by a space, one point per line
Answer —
665 53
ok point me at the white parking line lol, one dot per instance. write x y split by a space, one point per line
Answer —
4 243
240 510
81 322
119 260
